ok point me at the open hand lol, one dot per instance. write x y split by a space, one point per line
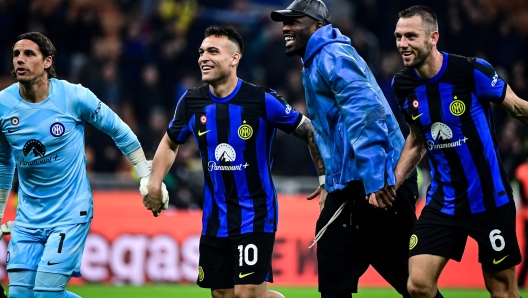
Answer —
322 193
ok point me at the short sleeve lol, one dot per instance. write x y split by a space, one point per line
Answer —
489 86
178 130
401 100
280 113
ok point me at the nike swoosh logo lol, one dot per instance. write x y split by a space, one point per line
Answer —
50 264
11 130
416 117
497 262
202 133
240 275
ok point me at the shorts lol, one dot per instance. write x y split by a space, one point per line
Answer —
239 260
362 236
55 250
445 235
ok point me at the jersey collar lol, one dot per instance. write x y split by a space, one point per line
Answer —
438 75
229 97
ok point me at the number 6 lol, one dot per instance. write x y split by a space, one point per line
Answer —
494 237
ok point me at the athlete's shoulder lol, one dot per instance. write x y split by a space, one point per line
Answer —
461 65
248 87
249 93
404 81
9 97
462 70
463 61
482 65
199 92
403 76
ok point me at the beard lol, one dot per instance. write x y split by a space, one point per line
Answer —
289 52
296 50
421 56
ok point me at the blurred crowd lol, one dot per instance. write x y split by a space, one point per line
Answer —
139 57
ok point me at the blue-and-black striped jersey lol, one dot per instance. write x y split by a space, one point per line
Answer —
234 136
452 111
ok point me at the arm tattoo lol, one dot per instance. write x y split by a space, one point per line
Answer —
305 132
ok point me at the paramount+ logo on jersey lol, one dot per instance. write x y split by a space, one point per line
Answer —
34 154
443 134
227 154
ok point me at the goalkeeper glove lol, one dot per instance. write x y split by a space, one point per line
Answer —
143 189
144 169
5 229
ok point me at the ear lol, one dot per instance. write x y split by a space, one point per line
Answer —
318 25
235 59
48 61
434 36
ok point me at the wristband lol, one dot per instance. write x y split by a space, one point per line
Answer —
143 169
322 179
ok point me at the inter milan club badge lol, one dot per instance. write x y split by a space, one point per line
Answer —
57 129
415 103
203 119
15 121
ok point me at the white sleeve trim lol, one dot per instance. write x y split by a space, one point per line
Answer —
4 194
302 121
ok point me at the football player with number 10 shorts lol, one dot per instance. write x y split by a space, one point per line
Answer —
234 124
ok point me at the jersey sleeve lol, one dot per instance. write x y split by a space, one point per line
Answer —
178 130
488 84
280 113
7 163
400 100
94 111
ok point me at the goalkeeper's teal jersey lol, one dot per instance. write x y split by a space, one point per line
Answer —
46 140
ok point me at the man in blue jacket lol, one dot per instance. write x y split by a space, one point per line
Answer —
360 142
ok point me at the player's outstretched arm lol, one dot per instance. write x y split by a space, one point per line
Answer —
515 106
412 153
163 160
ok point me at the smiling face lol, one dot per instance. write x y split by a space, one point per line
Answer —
28 62
218 59
413 41
297 31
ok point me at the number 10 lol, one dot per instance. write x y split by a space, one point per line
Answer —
244 254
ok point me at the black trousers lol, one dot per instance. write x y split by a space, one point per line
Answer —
362 236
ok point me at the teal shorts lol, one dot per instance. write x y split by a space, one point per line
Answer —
56 250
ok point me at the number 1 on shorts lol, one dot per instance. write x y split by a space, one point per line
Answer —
62 235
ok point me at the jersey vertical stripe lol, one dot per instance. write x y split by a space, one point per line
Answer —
217 218
231 200
264 139
247 212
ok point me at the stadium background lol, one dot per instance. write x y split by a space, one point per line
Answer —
139 56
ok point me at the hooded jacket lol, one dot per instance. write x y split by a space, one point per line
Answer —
355 129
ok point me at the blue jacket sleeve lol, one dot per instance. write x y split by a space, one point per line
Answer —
364 116
7 163
97 113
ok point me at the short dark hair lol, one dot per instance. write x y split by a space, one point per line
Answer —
46 48
231 34
425 12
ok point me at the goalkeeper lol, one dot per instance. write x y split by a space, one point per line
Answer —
42 133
